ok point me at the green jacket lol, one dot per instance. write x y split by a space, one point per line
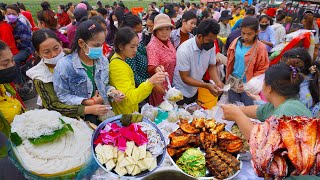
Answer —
50 100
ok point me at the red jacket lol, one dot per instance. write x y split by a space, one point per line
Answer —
28 15
63 19
6 35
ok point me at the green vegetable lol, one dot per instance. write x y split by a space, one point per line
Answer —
192 162
16 139
49 138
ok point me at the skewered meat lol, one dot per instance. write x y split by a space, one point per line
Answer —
221 164
188 128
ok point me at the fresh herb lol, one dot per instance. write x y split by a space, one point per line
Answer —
49 138
15 138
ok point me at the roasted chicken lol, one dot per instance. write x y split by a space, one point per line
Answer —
229 142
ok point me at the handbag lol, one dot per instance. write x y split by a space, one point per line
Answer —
236 82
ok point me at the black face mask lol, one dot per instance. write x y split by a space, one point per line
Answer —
264 26
8 75
207 46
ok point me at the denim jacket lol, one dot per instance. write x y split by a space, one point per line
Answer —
72 84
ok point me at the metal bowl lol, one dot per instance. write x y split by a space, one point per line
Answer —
116 119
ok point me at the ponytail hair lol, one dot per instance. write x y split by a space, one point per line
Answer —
285 80
186 17
47 16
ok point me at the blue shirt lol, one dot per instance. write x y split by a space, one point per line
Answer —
239 63
267 35
72 84
23 33
237 24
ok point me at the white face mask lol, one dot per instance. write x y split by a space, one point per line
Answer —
115 23
54 60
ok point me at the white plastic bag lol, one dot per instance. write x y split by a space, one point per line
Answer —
183 114
254 86
149 112
166 106
199 114
172 117
173 95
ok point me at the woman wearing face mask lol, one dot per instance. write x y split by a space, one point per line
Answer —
48 47
247 58
147 32
22 36
106 49
47 19
139 63
115 19
161 53
122 76
63 17
82 77
266 34
10 102
6 34
184 29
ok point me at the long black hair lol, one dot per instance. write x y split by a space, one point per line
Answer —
304 56
86 31
284 80
41 35
123 36
186 17
130 20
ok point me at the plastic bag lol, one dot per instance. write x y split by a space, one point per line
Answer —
183 114
149 112
172 117
254 86
173 95
199 114
166 106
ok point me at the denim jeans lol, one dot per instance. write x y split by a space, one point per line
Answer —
240 97
19 58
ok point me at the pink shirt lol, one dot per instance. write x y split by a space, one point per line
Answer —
161 54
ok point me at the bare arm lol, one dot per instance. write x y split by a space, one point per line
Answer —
186 78
250 111
213 71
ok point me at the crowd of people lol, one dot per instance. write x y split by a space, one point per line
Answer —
94 59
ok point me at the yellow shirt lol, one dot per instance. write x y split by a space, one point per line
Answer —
122 78
9 106
242 12
235 19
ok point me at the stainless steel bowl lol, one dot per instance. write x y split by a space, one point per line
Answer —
116 119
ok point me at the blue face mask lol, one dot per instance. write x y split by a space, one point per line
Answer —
94 52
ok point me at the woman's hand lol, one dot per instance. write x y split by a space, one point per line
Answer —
117 95
159 69
97 98
253 96
231 112
97 109
158 78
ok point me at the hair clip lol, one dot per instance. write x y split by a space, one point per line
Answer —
92 27
294 70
